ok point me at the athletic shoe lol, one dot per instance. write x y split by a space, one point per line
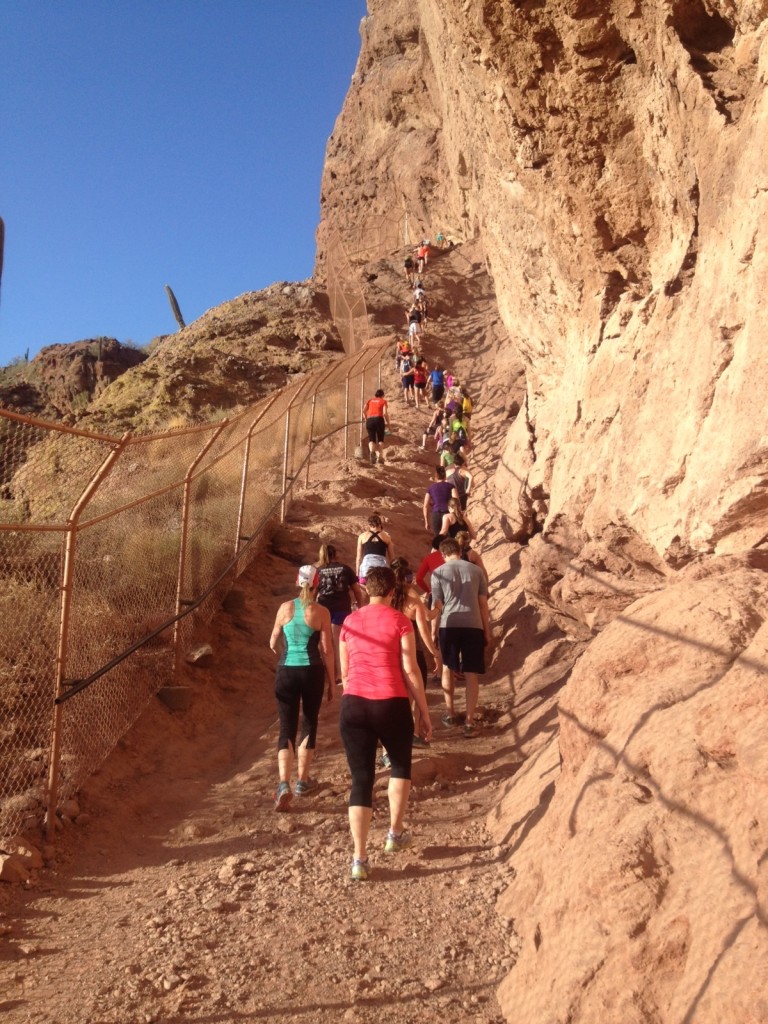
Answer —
373 458
384 760
470 732
304 786
395 842
283 796
360 870
419 742
448 720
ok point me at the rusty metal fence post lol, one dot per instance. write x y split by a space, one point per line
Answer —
64 614
311 439
244 476
286 448
346 412
180 600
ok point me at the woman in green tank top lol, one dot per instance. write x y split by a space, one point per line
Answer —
306 666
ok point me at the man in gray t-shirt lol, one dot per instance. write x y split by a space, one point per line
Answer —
460 592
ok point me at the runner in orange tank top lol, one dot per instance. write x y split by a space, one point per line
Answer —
376 417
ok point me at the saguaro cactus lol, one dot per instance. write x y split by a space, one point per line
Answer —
174 306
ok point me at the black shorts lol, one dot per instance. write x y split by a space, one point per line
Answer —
438 390
375 427
462 648
437 520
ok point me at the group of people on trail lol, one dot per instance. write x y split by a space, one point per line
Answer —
372 628
371 632
416 261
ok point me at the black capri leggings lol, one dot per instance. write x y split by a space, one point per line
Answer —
299 685
363 723
375 426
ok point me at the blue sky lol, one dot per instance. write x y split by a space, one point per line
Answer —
153 142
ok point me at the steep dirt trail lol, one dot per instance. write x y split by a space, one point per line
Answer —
186 898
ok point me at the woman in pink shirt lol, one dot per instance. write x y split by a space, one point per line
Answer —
380 675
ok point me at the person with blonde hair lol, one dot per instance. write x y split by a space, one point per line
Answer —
468 553
306 662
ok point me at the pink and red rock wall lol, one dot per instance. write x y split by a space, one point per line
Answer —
611 156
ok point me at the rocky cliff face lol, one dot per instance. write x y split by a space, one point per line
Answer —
609 157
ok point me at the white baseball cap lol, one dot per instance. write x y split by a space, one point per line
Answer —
307 575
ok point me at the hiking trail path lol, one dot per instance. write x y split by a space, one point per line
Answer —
186 898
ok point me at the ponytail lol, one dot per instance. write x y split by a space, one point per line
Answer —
305 593
455 507
401 569
326 554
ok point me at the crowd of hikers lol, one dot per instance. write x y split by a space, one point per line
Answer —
375 632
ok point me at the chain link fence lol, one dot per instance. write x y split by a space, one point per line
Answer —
344 269
380 234
115 551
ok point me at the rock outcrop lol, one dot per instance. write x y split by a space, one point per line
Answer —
62 380
233 355
608 158
230 357
641 894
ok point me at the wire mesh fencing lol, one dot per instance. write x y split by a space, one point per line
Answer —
380 234
115 551
345 296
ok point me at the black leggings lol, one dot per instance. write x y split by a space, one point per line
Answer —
421 661
299 685
363 723
375 425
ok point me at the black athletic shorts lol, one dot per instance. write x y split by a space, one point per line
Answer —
375 427
462 648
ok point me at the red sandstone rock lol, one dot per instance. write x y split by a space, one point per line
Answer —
608 162
640 893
